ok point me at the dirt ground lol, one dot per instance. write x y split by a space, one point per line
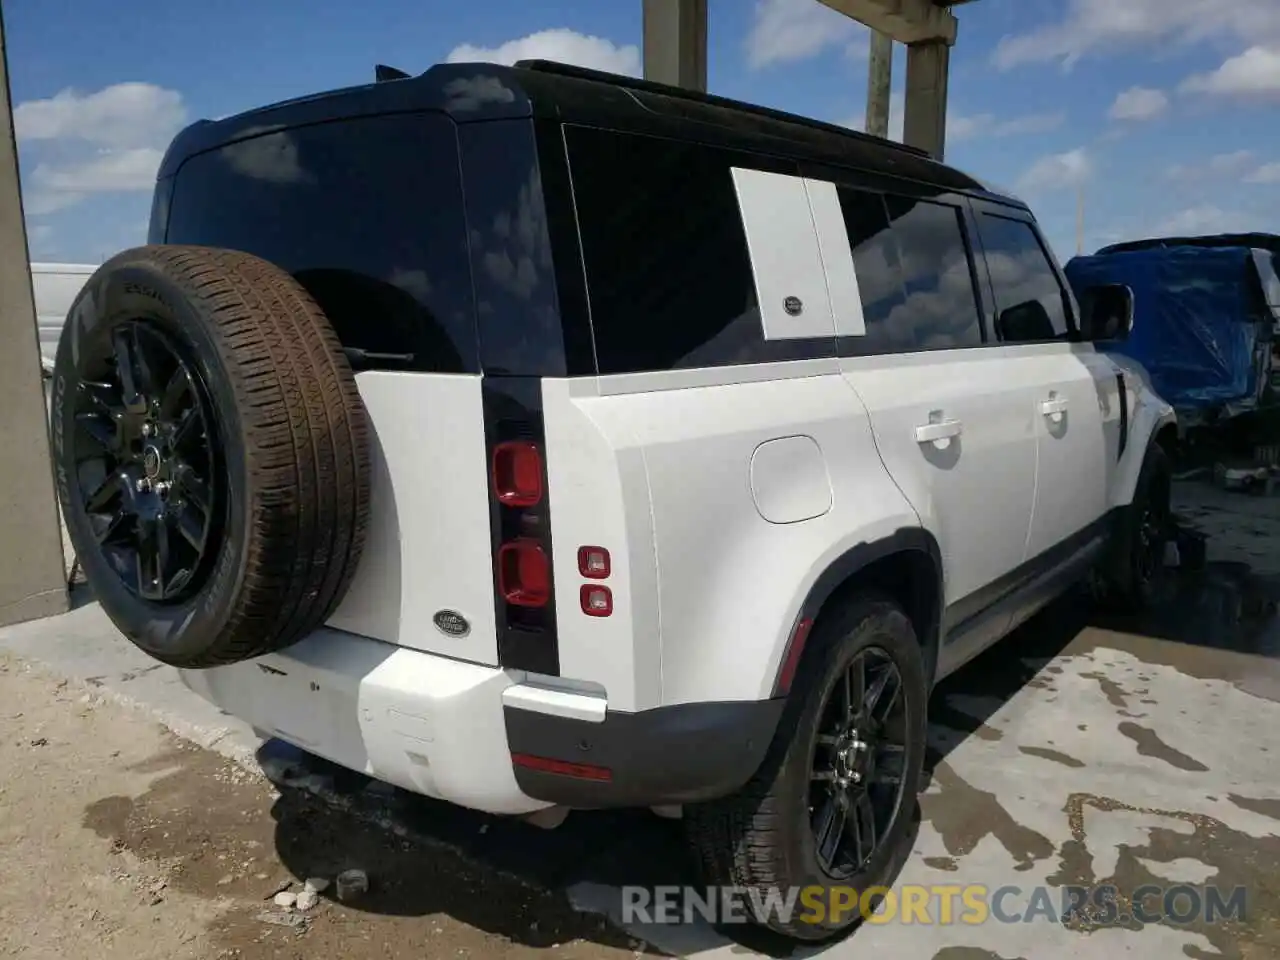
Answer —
120 841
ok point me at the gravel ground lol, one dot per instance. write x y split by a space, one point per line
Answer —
120 841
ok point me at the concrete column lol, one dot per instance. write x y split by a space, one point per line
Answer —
928 65
675 42
33 581
879 83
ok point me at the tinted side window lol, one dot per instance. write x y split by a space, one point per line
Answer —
668 272
941 306
879 271
366 213
1030 304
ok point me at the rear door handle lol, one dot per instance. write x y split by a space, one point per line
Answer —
938 430
1054 407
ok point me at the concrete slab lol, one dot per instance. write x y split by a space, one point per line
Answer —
1080 751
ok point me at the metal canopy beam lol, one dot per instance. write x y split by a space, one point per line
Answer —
675 43
906 21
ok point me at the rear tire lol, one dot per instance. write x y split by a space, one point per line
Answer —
212 453
767 838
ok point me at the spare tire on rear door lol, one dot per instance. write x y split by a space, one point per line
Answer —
211 452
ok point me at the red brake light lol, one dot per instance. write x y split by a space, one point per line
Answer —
597 600
517 474
593 562
581 771
524 573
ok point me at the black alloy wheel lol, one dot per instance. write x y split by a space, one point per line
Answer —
148 466
857 764
1151 537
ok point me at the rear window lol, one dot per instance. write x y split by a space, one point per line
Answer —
366 213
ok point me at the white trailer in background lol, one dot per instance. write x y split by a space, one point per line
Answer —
55 286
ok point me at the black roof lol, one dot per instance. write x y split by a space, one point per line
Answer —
469 92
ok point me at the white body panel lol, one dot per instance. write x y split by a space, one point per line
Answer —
428 547
730 582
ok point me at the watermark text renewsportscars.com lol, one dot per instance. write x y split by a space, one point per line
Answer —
937 904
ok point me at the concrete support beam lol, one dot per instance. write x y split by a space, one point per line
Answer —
906 21
879 83
928 65
33 580
675 42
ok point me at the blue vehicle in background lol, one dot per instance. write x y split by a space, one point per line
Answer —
1206 312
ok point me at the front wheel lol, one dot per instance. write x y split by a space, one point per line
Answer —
1135 570
826 820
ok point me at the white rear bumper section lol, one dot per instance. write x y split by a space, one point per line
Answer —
421 721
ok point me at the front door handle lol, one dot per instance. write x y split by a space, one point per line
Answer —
938 430
1054 407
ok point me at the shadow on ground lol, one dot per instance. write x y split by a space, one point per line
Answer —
1206 613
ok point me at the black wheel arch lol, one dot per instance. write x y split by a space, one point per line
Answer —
906 566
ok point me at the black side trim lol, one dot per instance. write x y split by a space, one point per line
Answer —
904 540
1124 414
973 623
678 754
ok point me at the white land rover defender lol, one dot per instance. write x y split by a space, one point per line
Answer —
535 438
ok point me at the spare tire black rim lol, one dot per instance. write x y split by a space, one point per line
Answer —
147 461
856 781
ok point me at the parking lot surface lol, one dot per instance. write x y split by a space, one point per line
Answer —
1080 752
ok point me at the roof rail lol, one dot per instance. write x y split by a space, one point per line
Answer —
651 86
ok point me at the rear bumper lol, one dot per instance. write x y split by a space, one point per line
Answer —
482 737
668 755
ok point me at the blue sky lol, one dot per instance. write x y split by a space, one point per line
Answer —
1161 113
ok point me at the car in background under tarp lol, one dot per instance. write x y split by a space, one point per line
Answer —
1205 317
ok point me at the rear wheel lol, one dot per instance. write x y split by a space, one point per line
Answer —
212 453
830 809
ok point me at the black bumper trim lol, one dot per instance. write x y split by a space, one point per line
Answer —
678 754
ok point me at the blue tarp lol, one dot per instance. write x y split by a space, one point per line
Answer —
1195 321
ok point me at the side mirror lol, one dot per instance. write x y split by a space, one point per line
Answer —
1106 312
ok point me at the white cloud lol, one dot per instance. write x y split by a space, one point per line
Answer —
108 172
1267 173
1218 167
122 115
1093 26
1208 218
961 127
1254 73
561 45
108 141
783 31
1056 172
1138 104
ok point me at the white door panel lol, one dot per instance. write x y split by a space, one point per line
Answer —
1074 412
955 430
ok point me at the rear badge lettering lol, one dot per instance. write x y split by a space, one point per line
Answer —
451 624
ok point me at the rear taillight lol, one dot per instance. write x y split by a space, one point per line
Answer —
593 562
520 524
596 601
517 474
524 573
